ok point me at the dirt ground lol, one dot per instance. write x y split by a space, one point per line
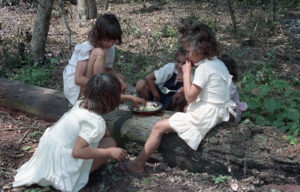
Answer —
20 132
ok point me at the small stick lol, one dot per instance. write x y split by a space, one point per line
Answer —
25 135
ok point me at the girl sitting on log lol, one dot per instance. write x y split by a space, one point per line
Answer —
169 76
208 96
95 56
78 143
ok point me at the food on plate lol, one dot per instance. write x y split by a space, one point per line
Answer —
149 107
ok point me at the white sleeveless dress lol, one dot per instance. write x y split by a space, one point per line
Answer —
52 163
211 107
81 52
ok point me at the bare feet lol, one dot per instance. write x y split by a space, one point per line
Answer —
132 166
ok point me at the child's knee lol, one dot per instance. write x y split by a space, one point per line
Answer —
140 85
97 52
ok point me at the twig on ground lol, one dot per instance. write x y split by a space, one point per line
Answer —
8 115
24 136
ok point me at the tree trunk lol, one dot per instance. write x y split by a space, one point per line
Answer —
81 7
92 9
232 15
41 28
87 9
241 151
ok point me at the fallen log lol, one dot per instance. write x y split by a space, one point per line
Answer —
242 151
48 104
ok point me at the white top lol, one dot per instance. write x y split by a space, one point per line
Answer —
52 163
214 79
163 74
212 106
81 52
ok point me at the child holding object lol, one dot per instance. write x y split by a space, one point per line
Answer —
208 96
95 56
169 76
78 142
232 68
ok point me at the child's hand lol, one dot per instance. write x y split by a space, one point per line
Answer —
180 91
138 101
187 67
179 77
118 153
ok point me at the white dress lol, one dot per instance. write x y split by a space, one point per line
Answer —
211 107
52 163
81 52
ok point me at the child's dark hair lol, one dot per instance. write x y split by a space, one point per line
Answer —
102 93
180 51
107 26
201 39
231 66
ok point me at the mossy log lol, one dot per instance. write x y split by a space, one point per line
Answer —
241 151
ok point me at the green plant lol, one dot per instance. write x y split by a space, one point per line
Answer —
292 140
271 101
221 178
169 31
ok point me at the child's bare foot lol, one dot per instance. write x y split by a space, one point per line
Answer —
132 166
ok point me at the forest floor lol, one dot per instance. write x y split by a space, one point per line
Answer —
149 40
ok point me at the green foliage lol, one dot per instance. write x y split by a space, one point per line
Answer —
292 140
271 101
221 178
24 68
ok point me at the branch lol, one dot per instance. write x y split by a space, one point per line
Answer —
63 13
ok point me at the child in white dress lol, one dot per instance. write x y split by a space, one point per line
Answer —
95 56
169 76
232 68
77 143
208 96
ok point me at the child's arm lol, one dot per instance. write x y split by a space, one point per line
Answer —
191 91
80 78
150 80
136 100
81 150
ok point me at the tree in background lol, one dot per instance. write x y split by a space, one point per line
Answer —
87 9
41 28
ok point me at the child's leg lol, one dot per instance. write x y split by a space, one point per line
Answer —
143 90
122 80
96 62
152 143
178 103
106 142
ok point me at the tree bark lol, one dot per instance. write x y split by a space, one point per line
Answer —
92 9
46 103
232 15
82 10
242 151
41 28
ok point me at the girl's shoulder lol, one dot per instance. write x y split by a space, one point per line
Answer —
85 115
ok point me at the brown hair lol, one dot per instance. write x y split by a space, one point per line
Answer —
107 26
102 93
201 39
180 51
231 66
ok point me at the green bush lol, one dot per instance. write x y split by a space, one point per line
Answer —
271 101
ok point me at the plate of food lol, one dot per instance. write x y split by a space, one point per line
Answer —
150 108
